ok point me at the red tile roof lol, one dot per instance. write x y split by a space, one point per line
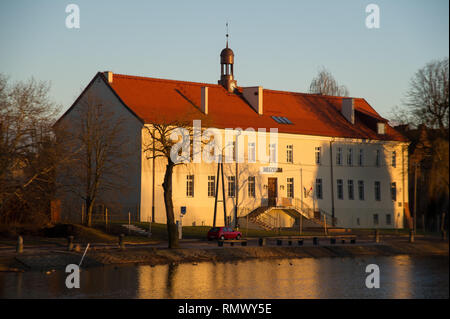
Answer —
154 99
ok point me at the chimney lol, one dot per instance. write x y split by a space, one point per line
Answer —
254 96
348 109
381 128
205 99
109 76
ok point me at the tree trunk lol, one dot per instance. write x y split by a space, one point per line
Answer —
89 208
172 230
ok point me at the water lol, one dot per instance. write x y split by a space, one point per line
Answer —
400 277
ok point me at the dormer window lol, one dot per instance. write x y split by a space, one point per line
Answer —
281 120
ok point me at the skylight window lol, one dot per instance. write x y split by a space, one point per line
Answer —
281 120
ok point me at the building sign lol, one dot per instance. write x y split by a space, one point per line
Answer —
270 169
183 210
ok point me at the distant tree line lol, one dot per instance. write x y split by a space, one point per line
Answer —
28 151
424 119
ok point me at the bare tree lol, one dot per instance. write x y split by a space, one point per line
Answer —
428 96
28 150
96 143
160 145
324 83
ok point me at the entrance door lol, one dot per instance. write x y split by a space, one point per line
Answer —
272 191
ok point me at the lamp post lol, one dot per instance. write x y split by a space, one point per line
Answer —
236 155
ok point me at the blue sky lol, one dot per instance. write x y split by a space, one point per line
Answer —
278 44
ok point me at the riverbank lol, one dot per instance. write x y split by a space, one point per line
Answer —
47 260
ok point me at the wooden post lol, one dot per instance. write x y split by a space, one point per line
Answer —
411 236
149 227
246 230
301 223
19 248
325 224
106 218
121 242
69 243
129 222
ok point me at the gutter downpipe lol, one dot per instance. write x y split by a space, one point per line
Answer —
332 184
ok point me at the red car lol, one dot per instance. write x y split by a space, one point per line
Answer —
223 233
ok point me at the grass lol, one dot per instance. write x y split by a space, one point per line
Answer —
159 231
98 234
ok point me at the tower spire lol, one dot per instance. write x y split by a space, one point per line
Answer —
226 67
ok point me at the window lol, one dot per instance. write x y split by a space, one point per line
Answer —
231 186
394 191
211 186
388 219
361 190
378 158
351 195
289 154
394 159
281 120
377 191
340 189
361 157
251 186
290 187
375 219
318 150
350 157
339 156
319 193
190 185
273 153
251 152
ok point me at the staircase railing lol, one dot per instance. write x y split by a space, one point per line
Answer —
268 220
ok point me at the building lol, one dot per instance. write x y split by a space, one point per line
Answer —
338 159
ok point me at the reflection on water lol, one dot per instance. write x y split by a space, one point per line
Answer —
400 277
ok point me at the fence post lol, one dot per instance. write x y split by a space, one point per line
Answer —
411 236
19 248
377 236
262 241
106 218
121 242
129 222
70 243
149 227
301 224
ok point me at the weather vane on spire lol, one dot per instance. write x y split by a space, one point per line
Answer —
227 33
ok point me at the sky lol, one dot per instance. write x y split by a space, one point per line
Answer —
279 45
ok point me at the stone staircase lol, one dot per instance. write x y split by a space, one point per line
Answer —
311 219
